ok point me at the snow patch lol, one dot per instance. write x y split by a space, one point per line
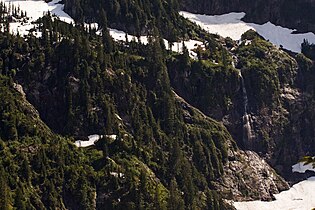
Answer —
176 46
302 168
299 197
121 36
35 10
93 139
112 137
117 175
231 25
91 25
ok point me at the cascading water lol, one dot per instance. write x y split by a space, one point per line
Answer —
247 123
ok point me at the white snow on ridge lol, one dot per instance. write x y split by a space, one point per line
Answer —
34 10
57 9
231 25
177 46
190 45
121 36
228 25
299 197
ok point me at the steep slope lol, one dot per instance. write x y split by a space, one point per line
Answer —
36 166
167 154
279 97
83 84
246 175
42 170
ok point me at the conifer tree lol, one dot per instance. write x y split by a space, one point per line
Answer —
175 201
26 170
19 201
4 190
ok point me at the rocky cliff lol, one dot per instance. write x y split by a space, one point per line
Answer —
275 117
246 175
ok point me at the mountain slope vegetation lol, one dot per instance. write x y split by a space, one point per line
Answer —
84 87
140 17
177 122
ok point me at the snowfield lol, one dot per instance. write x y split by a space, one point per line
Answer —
34 10
37 9
227 25
299 197
231 25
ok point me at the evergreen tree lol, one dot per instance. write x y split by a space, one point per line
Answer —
4 190
25 170
175 201
19 201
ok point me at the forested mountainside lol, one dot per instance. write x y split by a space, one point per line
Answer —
167 154
289 13
279 98
140 17
182 127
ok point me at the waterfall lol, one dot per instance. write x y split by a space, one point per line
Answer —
248 135
247 123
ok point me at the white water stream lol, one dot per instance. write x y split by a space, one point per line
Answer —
247 124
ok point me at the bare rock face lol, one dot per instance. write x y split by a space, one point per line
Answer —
249 177
246 175
289 13
19 88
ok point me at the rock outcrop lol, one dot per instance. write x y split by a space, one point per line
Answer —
280 98
249 177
